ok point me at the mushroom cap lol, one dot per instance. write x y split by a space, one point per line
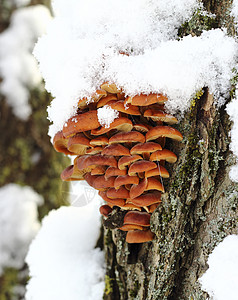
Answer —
137 218
98 170
145 100
154 184
110 88
164 154
94 150
125 161
98 95
78 144
130 206
147 199
60 143
116 150
141 166
71 173
82 103
88 160
90 178
142 127
159 171
128 227
139 236
105 100
128 109
163 131
112 202
148 147
112 171
159 115
125 179
122 192
121 124
99 141
82 122
137 189
100 183
105 210
127 137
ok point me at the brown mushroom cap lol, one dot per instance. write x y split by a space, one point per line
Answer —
116 150
147 199
148 147
112 202
99 141
121 124
122 192
90 178
110 88
98 95
98 170
105 210
141 127
125 179
112 171
79 123
145 100
94 160
128 109
125 161
164 154
137 189
130 206
139 236
71 173
159 171
127 137
137 218
154 184
60 143
128 227
105 100
100 183
78 144
159 115
140 166
163 131
94 150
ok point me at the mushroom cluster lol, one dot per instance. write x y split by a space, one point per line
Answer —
124 161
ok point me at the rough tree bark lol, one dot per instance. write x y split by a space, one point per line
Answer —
198 209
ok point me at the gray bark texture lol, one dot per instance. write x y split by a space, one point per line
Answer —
198 210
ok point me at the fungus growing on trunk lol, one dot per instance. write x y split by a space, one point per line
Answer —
125 161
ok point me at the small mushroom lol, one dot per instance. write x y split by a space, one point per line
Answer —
164 154
113 171
82 122
161 116
141 166
105 100
110 88
147 199
122 192
163 131
120 124
145 100
125 161
139 236
116 150
125 179
60 143
127 137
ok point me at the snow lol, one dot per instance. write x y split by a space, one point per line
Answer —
63 261
106 115
232 110
94 33
18 223
220 280
18 67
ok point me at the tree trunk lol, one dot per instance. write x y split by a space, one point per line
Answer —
198 209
